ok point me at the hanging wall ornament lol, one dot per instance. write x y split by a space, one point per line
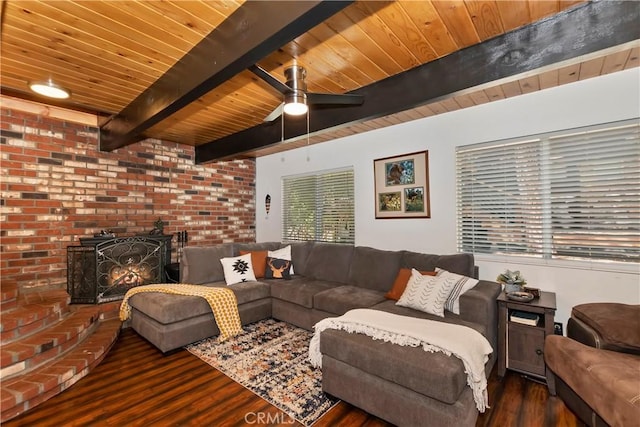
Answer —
267 203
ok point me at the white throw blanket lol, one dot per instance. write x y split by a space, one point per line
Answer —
463 342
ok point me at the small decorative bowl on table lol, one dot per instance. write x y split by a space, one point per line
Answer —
520 296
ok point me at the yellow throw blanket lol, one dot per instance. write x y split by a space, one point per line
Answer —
223 303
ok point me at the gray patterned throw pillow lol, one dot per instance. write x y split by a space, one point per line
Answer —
427 293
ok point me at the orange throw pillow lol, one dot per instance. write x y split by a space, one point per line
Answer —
400 283
258 261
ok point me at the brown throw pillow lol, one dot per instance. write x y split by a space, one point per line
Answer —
259 262
400 283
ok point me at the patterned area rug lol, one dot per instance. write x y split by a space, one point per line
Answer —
270 358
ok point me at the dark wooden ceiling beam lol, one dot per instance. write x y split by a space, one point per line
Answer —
568 35
253 31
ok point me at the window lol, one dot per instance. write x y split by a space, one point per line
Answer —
319 207
573 195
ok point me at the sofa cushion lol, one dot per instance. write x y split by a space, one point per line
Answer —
391 307
299 290
330 262
435 375
421 262
456 263
250 291
201 264
373 268
299 254
250 247
167 308
617 324
606 380
344 298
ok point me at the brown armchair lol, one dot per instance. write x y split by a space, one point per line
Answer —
596 369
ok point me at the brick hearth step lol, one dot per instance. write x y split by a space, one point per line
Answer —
41 347
32 312
30 389
8 296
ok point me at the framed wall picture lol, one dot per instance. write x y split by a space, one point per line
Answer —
402 186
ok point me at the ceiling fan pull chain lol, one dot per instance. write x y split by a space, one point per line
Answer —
282 135
308 149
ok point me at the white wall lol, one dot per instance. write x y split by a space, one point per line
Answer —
599 100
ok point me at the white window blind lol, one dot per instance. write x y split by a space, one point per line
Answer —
572 194
319 207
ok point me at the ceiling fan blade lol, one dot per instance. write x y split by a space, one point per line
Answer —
274 114
272 81
334 99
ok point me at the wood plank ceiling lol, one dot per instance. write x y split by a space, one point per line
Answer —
108 52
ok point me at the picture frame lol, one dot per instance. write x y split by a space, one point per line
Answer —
402 186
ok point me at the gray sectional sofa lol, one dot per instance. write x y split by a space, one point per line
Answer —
403 385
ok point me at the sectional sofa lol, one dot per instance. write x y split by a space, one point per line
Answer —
403 385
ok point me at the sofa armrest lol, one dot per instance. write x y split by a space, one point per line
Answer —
581 332
606 325
479 305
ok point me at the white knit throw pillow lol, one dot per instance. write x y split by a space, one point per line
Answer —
427 293
463 284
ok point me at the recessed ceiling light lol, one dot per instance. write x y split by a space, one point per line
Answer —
50 89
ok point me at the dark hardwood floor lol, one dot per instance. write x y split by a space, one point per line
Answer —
137 386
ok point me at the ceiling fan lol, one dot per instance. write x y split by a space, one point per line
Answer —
296 99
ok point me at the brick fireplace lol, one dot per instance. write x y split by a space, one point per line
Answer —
57 187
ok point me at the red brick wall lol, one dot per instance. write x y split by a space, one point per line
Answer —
56 186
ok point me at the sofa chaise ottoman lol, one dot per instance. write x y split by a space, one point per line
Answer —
172 321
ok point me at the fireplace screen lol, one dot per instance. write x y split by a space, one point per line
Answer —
124 263
117 265
81 274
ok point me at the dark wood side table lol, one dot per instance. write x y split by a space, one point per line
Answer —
521 346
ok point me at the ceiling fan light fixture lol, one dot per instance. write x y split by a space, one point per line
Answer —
295 104
49 89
